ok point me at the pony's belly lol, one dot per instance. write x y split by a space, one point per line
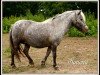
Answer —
40 46
39 43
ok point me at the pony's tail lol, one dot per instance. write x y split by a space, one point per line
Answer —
13 49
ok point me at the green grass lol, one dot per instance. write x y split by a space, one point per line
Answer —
6 69
7 52
90 21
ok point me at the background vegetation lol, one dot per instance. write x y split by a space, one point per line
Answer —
39 11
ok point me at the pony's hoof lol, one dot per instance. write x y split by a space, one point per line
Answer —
31 65
13 66
42 63
56 68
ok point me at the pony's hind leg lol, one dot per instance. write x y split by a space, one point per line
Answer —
46 56
12 59
26 49
13 53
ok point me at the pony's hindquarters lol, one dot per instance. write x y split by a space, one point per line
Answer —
16 38
14 49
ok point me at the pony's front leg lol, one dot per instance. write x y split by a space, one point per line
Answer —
54 48
46 56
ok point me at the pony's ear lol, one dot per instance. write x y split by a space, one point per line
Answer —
79 12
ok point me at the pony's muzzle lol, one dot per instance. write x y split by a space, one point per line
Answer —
85 29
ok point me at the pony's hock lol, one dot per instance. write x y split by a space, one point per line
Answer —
44 34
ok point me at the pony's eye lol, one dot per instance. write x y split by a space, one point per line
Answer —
81 19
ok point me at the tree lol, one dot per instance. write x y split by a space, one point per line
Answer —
48 9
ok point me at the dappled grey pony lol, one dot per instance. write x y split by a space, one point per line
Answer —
44 34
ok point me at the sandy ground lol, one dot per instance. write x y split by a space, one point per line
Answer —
74 55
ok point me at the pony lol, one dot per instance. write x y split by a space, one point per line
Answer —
48 33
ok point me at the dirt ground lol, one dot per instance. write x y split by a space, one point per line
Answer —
74 55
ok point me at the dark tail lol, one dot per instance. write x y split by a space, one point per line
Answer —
13 49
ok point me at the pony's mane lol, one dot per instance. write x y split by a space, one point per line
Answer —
64 13
82 14
56 16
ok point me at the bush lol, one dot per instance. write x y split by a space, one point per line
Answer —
37 17
92 24
6 25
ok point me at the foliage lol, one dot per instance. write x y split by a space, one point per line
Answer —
48 9
92 24
18 8
7 22
37 17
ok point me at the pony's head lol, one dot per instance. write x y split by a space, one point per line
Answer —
79 21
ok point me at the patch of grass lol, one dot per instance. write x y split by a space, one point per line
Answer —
6 69
9 69
6 52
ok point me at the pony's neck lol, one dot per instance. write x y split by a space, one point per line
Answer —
67 23
62 23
